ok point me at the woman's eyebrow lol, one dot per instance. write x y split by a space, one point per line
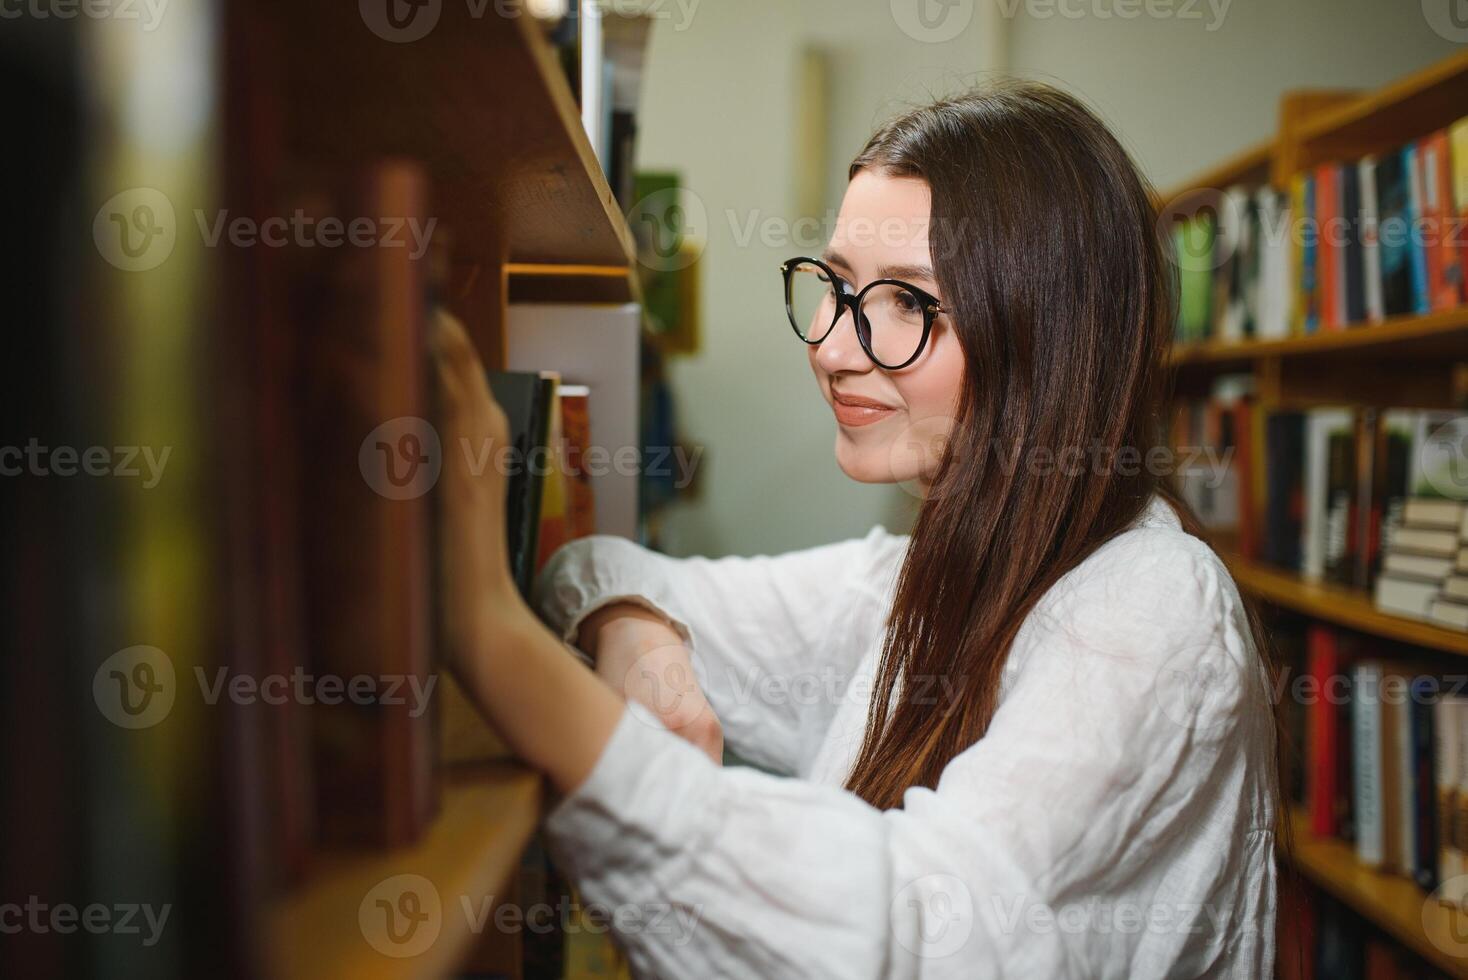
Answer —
906 272
835 258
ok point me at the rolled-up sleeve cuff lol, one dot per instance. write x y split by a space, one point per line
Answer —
587 575
645 802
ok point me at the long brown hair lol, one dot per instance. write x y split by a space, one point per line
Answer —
1046 249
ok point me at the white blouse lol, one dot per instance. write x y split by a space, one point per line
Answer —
1115 820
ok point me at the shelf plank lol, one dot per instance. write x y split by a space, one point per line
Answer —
1338 604
1441 333
1429 928
480 101
488 814
1404 110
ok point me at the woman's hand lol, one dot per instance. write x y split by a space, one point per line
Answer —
478 590
643 658
548 708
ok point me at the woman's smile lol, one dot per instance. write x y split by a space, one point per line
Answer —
854 410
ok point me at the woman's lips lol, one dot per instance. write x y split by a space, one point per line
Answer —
853 411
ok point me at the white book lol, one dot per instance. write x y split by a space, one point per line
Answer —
1446 612
1404 597
1434 512
1319 424
1456 587
1426 541
1275 273
1366 761
1370 242
1427 567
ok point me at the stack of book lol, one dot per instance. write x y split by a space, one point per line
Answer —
1357 496
1351 242
1421 556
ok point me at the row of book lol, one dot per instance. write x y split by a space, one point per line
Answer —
1357 496
550 498
1384 757
1350 242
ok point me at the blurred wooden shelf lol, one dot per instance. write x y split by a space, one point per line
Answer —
488 814
481 101
1441 334
1404 110
1434 931
1338 604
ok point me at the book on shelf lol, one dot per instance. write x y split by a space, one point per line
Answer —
1372 499
1361 240
367 569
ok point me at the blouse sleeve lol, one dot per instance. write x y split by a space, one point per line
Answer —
1102 827
760 630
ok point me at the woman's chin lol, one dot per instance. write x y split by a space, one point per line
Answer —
865 464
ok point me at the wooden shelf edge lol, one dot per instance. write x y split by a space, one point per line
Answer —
549 283
327 927
1394 903
1338 604
1327 124
1444 323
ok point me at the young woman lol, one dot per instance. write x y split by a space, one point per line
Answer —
1033 739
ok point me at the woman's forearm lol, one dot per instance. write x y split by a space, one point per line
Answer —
546 705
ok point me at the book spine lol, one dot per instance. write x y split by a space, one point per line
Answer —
1366 752
1416 244
1327 212
1424 785
1370 242
1324 664
1446 718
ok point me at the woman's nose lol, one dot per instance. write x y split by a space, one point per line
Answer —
841 351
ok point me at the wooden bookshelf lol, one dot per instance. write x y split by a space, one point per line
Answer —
1434 931
488 814
1352 608
1441 334
1415 361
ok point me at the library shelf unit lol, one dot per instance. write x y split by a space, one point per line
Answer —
1415 361
1432 930
480 116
